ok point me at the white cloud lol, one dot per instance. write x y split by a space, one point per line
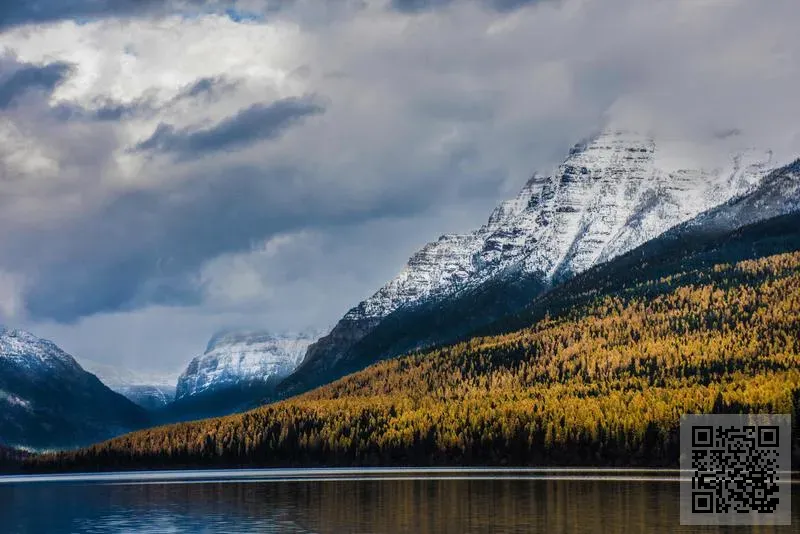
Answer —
125 60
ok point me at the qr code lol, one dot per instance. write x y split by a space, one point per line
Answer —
735 469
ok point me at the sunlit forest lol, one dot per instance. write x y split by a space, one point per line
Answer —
603 383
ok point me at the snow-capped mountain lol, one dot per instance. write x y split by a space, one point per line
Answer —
34 355
149 396
238 358
48 400
149 390
610 195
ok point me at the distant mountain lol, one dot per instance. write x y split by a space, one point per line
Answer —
237 357
48 401
597 373
149 397
236 372
610 195
151 391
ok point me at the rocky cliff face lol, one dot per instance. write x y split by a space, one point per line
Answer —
148 396
610 195
47 400
236 359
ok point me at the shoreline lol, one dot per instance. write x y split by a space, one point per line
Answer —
195 476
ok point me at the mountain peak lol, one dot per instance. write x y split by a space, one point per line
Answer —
31 350
235 357
47 399
608 196
613 192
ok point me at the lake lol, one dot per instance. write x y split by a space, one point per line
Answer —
352 501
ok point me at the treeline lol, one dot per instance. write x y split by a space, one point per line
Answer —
603 384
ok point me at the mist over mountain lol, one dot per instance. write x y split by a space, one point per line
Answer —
237 371
151 391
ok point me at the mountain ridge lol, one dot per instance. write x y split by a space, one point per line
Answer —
50 401
611 194
233 357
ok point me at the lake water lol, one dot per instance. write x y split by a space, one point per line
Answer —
353 501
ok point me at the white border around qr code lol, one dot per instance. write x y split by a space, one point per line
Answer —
736 469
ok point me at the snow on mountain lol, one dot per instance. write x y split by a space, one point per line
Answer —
149 397
234 359
610 195
48 400
33 354
149 390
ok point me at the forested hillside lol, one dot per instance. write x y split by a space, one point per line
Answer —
604 382
688 251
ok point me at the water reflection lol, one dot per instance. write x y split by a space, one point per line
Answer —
346 506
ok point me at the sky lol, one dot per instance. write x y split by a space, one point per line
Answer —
170 168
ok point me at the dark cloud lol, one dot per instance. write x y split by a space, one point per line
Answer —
21 12
146 246
416 6
105 111
511 5
110 110
258 122
14 13
25 78
208 89
205 86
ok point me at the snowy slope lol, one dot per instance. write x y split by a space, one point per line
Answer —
48 400
149 397
32 354
234 359
610 195
778 194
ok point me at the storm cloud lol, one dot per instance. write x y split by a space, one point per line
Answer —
21 79
257 122
46 11
416 6
35 11
163 173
